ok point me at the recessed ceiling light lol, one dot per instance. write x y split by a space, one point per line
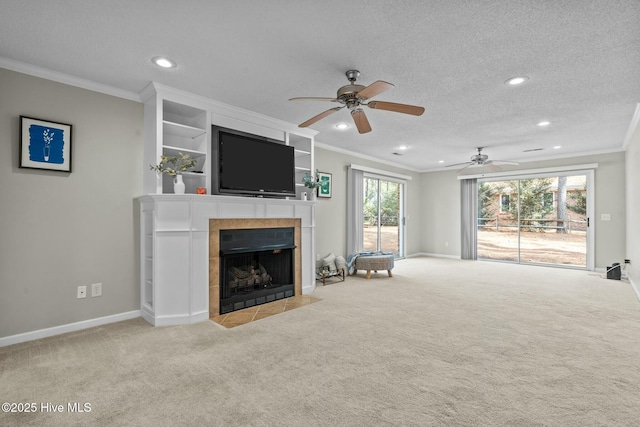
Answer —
403 147
557 147
440 161
163 62
515 81
342 126
544 123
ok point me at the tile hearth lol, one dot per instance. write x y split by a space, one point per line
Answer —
251 314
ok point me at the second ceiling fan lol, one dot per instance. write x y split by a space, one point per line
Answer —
483 160
353 96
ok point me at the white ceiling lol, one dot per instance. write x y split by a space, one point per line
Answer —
582 58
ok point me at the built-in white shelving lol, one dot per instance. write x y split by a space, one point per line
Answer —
303 152
178 122
174 283
184 130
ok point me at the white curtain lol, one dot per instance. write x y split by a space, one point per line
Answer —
469 218
355 189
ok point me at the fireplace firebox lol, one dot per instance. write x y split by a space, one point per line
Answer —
256 266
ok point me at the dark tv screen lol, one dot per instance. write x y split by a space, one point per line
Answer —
252 165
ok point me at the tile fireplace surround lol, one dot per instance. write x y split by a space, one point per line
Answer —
179 261
215 225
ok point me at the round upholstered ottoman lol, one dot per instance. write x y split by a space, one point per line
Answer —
375 263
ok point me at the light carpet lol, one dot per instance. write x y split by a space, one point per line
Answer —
442 343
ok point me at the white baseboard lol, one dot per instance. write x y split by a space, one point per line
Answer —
603 271
178 319
634 287
433 255
70 327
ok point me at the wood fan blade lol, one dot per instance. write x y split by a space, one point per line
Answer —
375 88
362 123
504 162
320 116
398 108
493 166
459 164
461 169
313 98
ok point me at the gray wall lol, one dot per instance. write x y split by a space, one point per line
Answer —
632 170
331 214
434 205
440 213
61 230
440 195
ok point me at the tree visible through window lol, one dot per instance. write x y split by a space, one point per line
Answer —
540 220
381 210
487 193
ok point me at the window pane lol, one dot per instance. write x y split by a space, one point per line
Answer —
497 229
382 216
370 214
552 234
538 220
389 216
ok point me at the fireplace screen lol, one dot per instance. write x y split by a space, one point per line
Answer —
256 267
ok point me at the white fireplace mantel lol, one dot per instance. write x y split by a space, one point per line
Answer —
174 249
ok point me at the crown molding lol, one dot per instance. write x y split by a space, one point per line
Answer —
633 127
220 108
541 159
67 79
363 156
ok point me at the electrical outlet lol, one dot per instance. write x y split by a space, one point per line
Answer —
96 290
605 217
82 291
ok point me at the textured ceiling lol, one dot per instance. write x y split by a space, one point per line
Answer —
582 58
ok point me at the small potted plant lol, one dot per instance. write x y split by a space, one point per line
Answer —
312 182
174 166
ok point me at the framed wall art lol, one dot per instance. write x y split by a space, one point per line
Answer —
45 144
324 190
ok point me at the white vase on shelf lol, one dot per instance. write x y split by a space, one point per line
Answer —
312 194
178 185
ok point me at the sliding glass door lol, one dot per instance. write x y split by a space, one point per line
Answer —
537 220
383 217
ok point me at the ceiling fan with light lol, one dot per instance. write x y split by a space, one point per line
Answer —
483 160
353 96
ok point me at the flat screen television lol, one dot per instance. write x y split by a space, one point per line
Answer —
247 164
